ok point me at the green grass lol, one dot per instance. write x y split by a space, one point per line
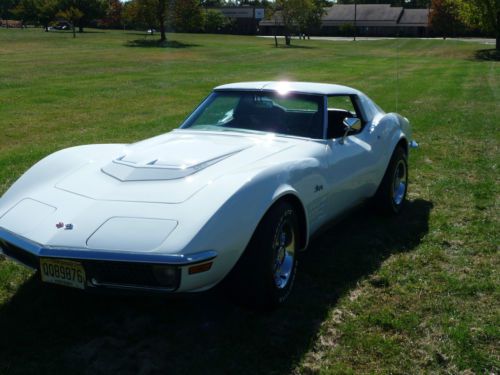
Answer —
413 294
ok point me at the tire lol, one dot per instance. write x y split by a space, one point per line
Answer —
391 194
263 277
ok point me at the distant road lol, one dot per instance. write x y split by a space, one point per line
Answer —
488 41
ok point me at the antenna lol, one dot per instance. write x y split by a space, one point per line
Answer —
397 71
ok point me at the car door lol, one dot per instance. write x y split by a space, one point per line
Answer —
348 173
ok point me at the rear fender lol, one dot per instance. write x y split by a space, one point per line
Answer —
394 129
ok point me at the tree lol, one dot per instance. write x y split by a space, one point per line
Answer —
310 19
73 15
149 13
161 15
290 9
215 21
445 18
130 15
37 11
90 9
7 7
26 11
482 14
141 13
187 16
297 15
47 10
113 18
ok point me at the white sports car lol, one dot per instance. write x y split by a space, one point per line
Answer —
233 194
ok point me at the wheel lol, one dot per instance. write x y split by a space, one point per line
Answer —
264 275
391 193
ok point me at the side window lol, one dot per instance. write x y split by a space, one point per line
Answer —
342 102
340 107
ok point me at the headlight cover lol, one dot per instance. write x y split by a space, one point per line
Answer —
131 234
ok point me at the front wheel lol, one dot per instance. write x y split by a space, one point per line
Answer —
264 276
391 193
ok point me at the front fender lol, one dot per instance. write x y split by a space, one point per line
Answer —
230 228
51 168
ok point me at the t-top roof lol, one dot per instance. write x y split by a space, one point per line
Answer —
285 86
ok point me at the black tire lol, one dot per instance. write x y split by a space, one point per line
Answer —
256 280
391 194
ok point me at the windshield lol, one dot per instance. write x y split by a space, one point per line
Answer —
291 114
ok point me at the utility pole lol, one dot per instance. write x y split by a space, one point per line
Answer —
254 23
206 14
355 16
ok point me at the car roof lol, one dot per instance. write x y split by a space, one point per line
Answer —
286 86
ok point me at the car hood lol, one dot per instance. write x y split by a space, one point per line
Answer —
174 157
170 168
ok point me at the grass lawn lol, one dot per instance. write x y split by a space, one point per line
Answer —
414 294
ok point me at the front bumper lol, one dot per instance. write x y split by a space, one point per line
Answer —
105 269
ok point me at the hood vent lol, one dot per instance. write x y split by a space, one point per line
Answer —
174 157
128 171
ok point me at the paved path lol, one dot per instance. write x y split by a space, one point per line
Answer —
488 41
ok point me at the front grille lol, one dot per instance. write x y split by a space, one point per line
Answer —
105 273
19 254
123 273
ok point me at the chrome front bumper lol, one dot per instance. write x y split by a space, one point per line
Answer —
102 262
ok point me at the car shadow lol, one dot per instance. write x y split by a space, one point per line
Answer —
51 329
156 43
487 54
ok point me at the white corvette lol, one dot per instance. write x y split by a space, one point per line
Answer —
233 194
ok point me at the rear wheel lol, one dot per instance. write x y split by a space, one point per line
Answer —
264 276
391 193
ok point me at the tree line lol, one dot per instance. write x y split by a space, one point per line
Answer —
454 17
300 16
178 15
43 12
447 17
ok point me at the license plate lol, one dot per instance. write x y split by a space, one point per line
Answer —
63 272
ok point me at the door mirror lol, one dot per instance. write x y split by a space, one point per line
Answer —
352 124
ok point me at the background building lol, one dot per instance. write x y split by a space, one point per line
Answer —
245 20
368 19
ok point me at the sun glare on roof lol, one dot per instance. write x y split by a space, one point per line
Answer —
283 88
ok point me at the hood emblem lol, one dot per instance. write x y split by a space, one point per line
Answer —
65 226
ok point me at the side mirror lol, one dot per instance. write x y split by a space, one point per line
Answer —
351 124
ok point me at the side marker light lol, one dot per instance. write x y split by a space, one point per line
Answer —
199 268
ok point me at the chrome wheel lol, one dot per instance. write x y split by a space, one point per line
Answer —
284 250
391 193
399 183
263 277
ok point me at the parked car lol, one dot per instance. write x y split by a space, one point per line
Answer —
62 26
233 194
